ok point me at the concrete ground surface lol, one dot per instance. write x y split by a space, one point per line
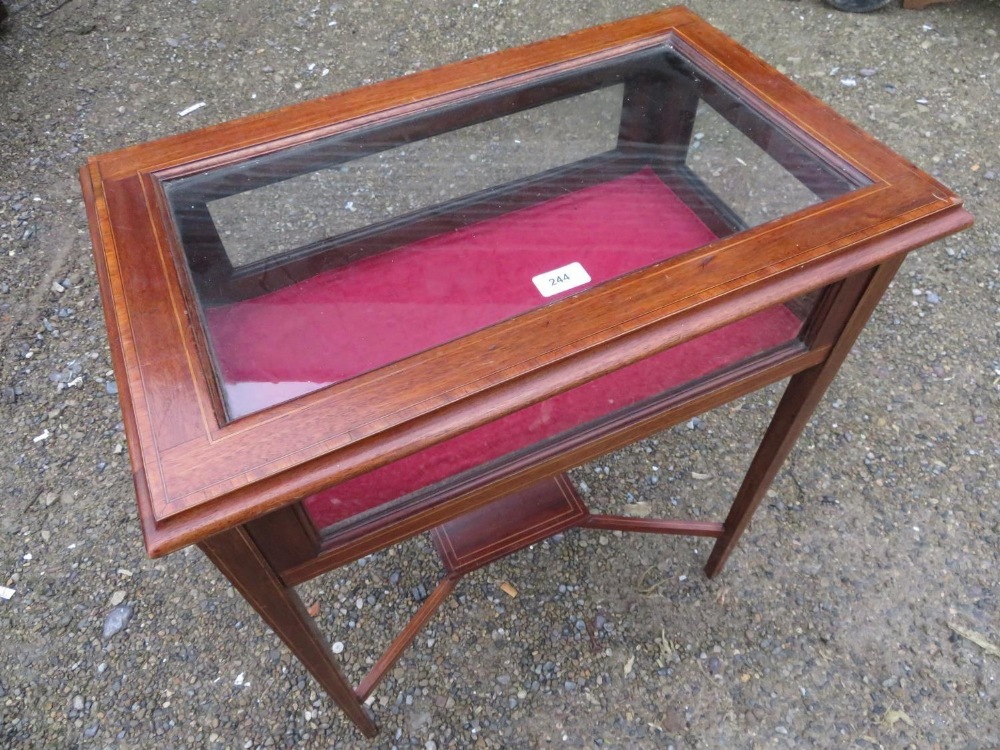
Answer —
861 609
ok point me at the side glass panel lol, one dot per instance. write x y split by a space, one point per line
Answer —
587 406
329 259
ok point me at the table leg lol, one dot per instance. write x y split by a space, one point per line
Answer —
240 560
800 399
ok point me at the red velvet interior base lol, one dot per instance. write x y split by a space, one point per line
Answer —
389 306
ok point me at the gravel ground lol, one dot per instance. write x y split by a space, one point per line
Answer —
838 621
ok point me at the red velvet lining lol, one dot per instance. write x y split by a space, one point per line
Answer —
378 310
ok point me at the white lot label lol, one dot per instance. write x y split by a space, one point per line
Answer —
561 279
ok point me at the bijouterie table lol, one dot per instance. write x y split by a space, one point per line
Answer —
412 307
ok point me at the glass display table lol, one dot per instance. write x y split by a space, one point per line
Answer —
411 307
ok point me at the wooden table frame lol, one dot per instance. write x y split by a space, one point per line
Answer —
234 487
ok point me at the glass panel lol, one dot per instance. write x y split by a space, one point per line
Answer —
389 305
753 185
584 406
328 259
372 189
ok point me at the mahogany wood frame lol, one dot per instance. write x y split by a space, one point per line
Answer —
921 4
234 487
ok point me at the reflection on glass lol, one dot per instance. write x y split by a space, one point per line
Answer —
312 207
326 260
557 417
753 185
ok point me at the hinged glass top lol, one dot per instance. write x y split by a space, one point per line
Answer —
325 260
